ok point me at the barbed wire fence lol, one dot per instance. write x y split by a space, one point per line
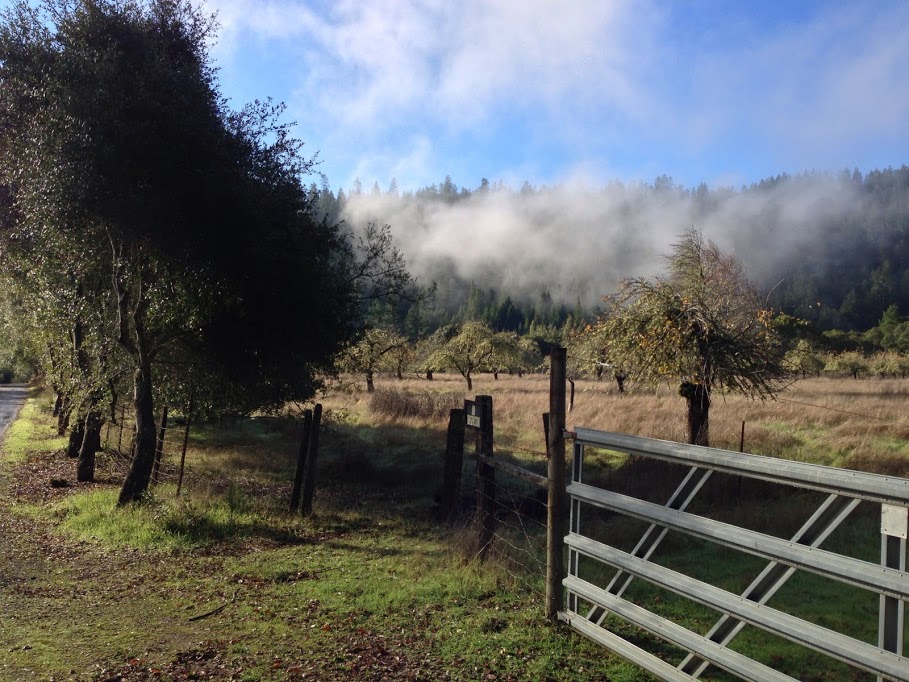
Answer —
172 436
519 538
496 496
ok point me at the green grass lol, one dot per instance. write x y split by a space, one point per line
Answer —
162 521
34 432
369 587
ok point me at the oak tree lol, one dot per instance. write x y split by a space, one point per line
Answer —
124 161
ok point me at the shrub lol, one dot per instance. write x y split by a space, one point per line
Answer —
400 404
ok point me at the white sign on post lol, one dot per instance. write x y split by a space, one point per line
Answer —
894 521
473 413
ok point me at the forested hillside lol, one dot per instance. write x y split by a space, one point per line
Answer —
831 249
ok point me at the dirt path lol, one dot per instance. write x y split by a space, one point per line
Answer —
11 398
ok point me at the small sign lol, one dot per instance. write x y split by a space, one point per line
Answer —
472 410
894 521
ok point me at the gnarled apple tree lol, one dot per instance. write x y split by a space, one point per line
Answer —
703 325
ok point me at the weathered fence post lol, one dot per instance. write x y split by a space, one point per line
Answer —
486 477
159 447
454 461
189 416
556 519
309 468
301 461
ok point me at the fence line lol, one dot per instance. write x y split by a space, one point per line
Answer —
835 409
518 539
119 442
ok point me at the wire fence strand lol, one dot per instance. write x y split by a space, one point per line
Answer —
519 541
835 409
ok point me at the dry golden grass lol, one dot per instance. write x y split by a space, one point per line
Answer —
861 424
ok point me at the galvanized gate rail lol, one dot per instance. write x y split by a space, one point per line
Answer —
845 490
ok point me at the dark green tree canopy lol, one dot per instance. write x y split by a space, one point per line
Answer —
124 165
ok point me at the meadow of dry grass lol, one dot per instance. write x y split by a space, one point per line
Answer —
861 424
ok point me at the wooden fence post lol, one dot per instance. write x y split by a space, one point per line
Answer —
309 468
189 416
454 461
159 447
301 461
486 477
556 516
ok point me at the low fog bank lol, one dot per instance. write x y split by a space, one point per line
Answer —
578 242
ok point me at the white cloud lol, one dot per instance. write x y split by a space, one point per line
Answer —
391 88
458 63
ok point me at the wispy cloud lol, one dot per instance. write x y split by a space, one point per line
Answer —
367 70
629 85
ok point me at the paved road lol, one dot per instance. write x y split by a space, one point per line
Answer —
11 398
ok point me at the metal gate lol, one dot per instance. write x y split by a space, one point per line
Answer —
588 603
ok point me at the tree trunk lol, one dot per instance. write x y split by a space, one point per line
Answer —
370 386
76 436
620 380
91 443
63 417
112 387
58 404
698 397
495 374
469 381
429 375
139 475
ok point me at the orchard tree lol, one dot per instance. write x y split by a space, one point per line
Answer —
852 363
889 364
427 355
475 347
803 359
704 324
376 348
590 353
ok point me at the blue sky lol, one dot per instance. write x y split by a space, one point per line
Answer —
725 93
721 92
